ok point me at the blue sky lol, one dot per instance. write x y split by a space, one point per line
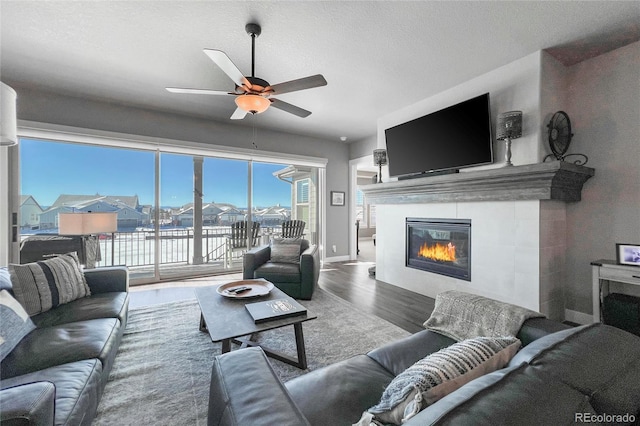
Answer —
48 169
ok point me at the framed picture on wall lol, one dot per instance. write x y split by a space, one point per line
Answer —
337 198
628 254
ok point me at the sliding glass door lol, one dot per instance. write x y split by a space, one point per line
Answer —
178 213
59 177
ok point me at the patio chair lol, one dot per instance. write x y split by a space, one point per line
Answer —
237 241
293 228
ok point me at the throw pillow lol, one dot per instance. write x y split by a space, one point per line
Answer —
439 374
285 250
43 285
14 323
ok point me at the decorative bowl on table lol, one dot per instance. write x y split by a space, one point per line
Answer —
245 289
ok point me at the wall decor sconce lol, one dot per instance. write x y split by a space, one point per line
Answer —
509 127
8 118
379 159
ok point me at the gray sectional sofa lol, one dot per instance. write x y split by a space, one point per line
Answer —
561 376
56 374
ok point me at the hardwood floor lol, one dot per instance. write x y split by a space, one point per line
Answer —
351 282
347 280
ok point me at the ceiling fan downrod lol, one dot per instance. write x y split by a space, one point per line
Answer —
254 31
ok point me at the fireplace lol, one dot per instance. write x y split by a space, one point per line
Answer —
441 246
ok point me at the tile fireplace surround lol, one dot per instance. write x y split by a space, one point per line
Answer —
518 230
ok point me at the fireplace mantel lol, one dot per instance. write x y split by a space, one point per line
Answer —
556 180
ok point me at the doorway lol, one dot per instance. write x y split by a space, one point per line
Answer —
362 213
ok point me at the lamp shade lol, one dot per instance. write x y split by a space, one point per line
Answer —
255 104
509 125
8 119
379 157
87 223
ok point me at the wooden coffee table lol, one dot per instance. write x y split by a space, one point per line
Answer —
228 321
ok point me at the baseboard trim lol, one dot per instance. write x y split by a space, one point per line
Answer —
337 259
577 317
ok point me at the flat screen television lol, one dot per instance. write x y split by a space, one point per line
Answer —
447 140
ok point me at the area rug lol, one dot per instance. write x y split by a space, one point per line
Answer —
162 372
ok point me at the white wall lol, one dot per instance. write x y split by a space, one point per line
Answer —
604 106
362 147
602 98
505 258
515 86
504 249
519 249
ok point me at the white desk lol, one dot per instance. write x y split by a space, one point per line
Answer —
604 271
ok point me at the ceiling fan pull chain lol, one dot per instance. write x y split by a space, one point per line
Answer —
254 141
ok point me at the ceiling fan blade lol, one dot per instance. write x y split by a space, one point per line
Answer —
299 84
198 91
222 60
238 114
292 109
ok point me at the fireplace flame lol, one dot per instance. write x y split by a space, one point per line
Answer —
440 252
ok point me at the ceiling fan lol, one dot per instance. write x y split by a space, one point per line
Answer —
253 94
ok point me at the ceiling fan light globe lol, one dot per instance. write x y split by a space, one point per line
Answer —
255 104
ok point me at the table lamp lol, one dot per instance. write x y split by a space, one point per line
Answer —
509 127
379 159
86 224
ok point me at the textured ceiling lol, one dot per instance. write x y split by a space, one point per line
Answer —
376 56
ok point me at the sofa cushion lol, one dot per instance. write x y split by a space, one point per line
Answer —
245 390
401 354
512 396
597 360
107 279
440 373
339 393
285 250
535 328
279 272
78 389
60 344
28 404
14 323
103 305
40 286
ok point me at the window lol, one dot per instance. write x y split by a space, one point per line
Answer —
302 191
159 238
361 209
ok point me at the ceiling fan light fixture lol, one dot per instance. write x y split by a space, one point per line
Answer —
255 104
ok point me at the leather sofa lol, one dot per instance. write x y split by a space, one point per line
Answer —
298 280
562 375
57 373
